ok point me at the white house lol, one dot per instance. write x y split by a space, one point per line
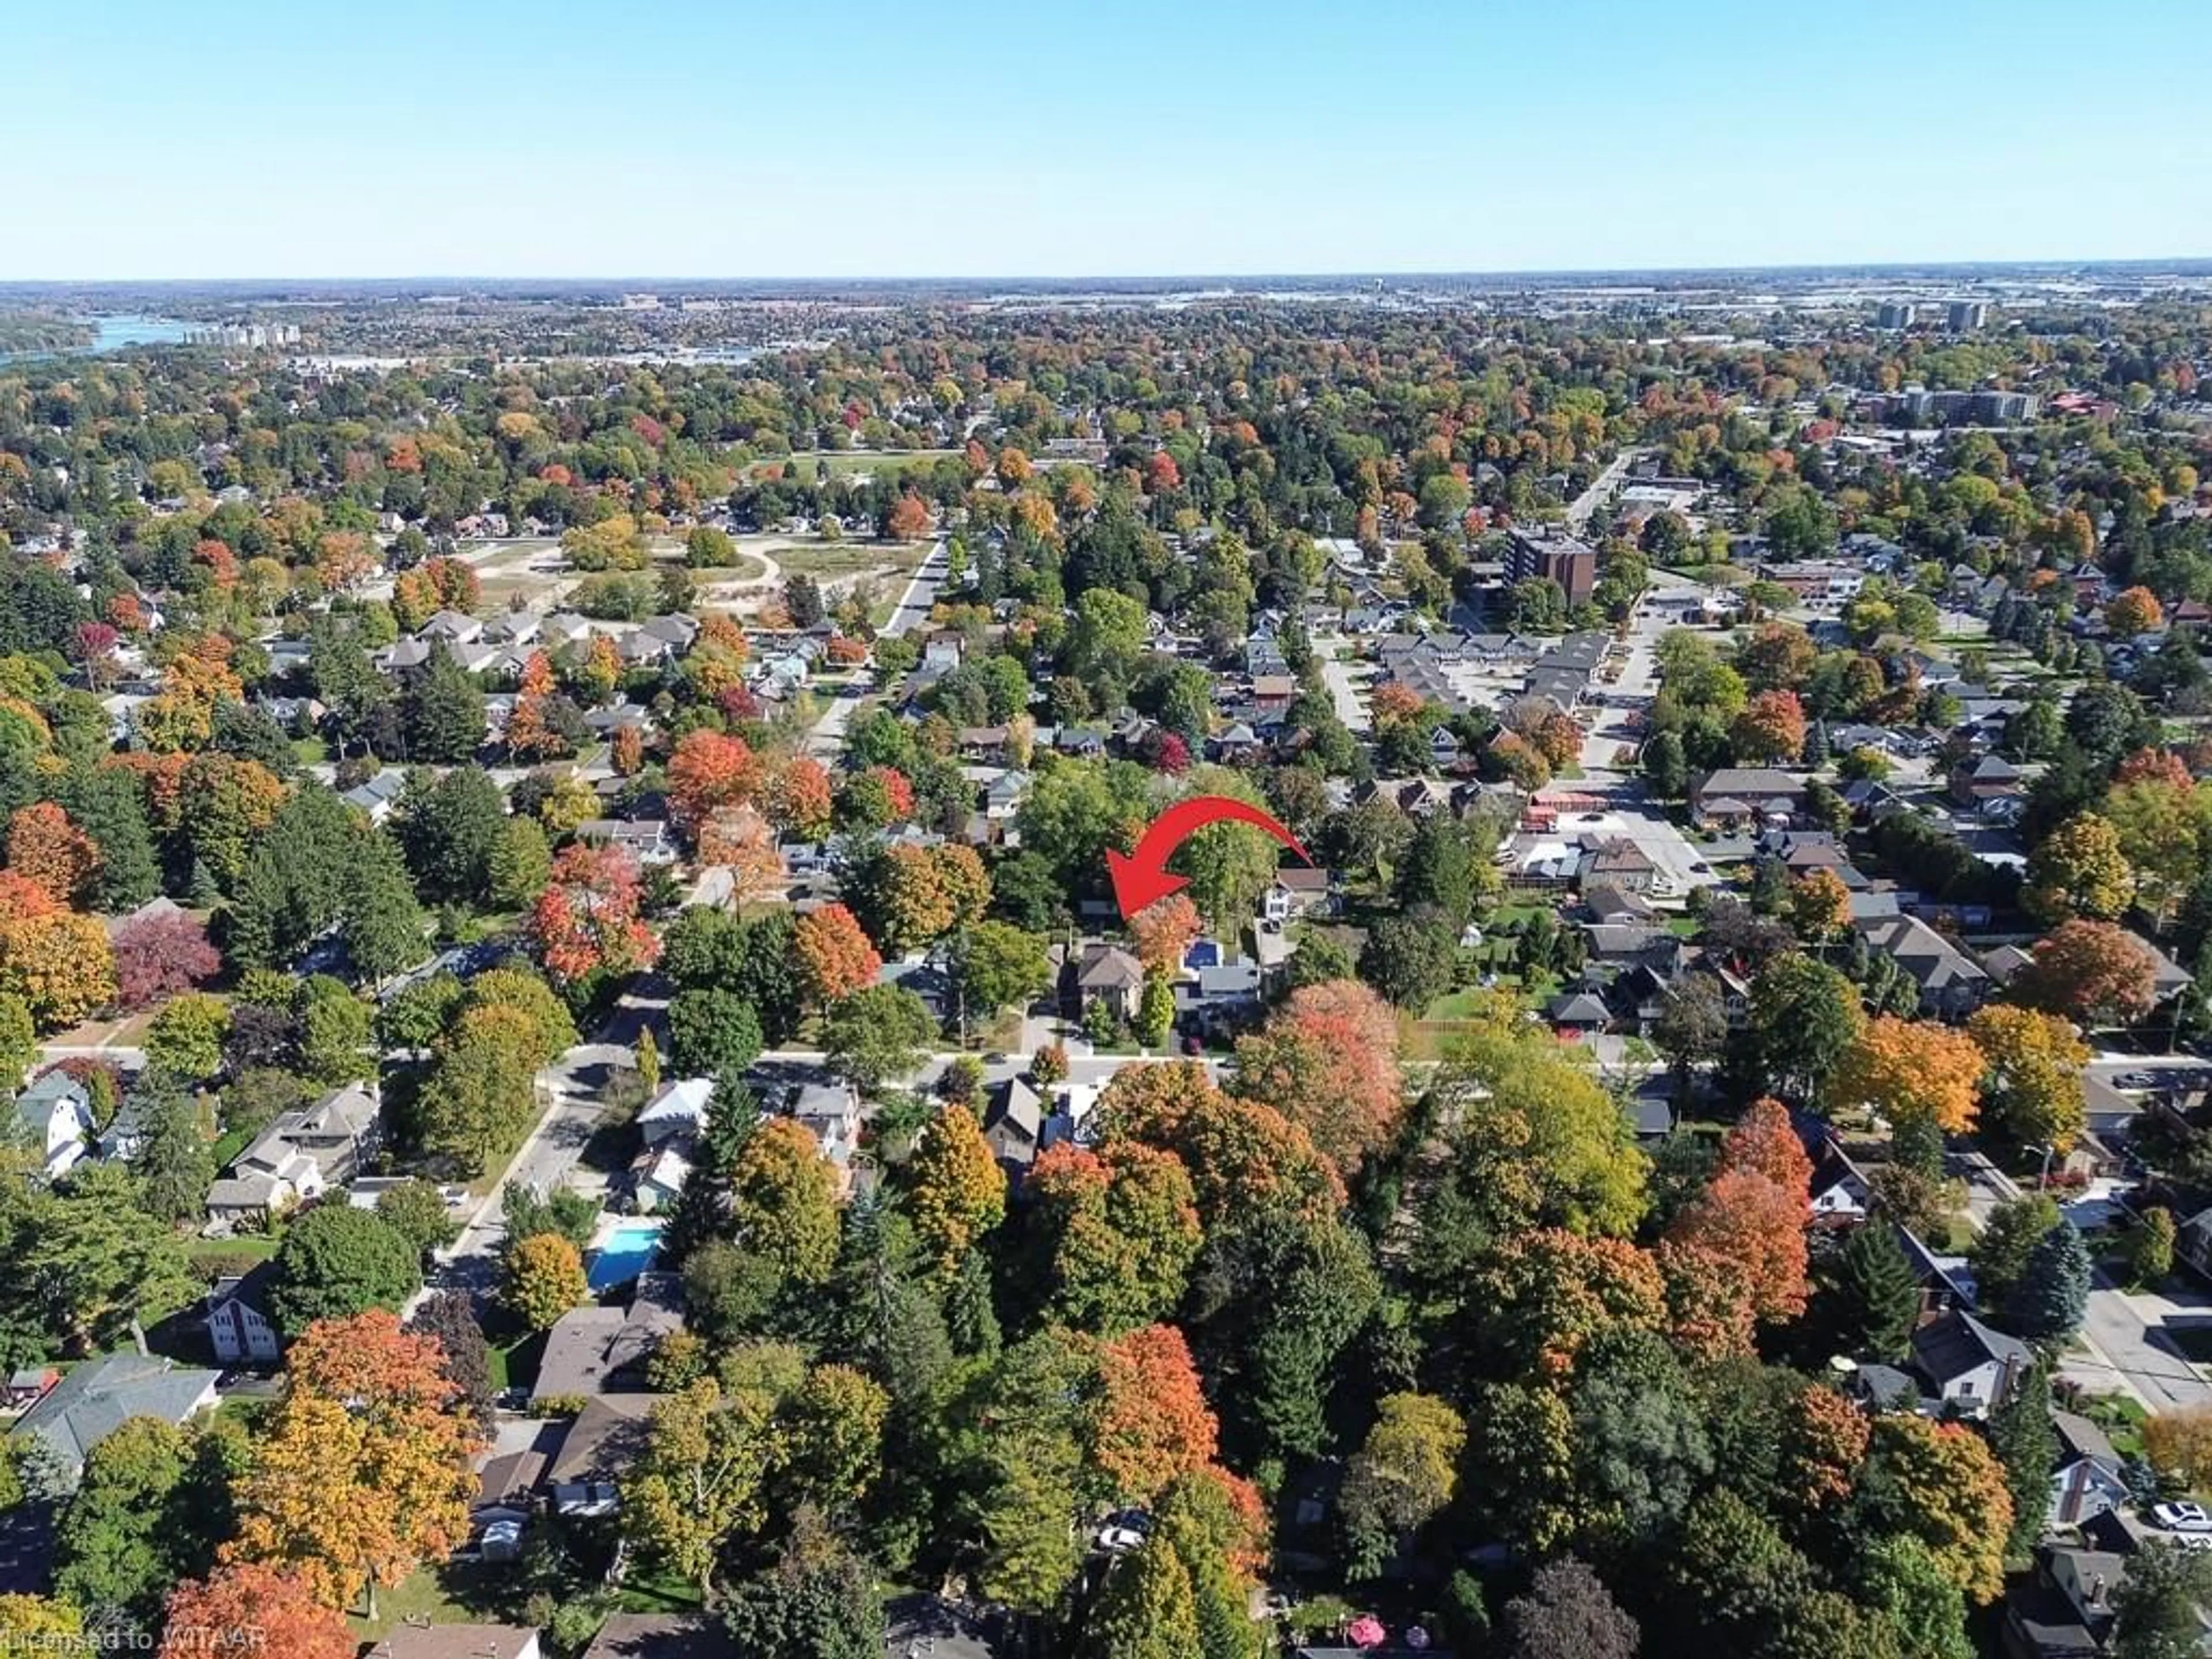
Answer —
678 1109
57 1111
2086 1481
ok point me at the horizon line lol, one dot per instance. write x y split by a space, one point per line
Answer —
1795 267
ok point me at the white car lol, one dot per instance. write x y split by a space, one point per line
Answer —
2183 1517
1120 1541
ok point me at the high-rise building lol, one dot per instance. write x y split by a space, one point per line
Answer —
1965 314
1897 313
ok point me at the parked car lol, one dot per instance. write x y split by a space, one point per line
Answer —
2183 1517
1120 1541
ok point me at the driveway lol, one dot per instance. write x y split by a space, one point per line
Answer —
1344 678
573 1085
2126 1344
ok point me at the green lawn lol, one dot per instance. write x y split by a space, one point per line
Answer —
1459 1004
515 1359
844 463
259 1246
451 1593
830 560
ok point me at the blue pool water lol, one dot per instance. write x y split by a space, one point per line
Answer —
629 1251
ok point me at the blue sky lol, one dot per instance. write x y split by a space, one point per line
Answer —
877 138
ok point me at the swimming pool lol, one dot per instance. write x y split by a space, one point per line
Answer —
627 1251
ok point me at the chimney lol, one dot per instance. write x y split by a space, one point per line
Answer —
2097 1591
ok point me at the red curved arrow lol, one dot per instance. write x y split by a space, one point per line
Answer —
1141 877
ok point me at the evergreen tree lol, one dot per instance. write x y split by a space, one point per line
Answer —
1873 1298
106 804
2021 1435
383 923
2052 1295
442 712
173 1163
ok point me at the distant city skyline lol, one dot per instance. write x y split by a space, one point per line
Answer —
247 139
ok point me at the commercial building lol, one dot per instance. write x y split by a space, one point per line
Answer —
1553 556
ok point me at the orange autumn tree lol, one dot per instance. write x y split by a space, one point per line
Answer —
738 839
1152 1424
1244 1158
46 849
1764 1142
529 731
2135 612
247 1608
801 798
1328 1058
1819 905
1735 1256
2094 972
1118 1230
910 519
58 962
364 1472
1824 1438
1164 930
1949 1493
833 955
626 752
1903 1068
1772 727
709 769
586 920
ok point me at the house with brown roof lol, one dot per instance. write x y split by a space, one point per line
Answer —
1108 973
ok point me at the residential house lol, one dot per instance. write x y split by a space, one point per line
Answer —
649 841
2065 1610
941 649
1577 1014
1004 795
665 1636
242 1330
676 1110
1108 973
1013 1124
1742 795
378 795
1618 863
1221 993
2086 1479
598 1449
98 1397
830 1112
1296 890
1978 781
1970 1367
1840 1194
459 1641
56 1111
452 627
595 1350
1952 983
301 1155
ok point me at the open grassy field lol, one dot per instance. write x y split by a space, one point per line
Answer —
849 462
834 561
